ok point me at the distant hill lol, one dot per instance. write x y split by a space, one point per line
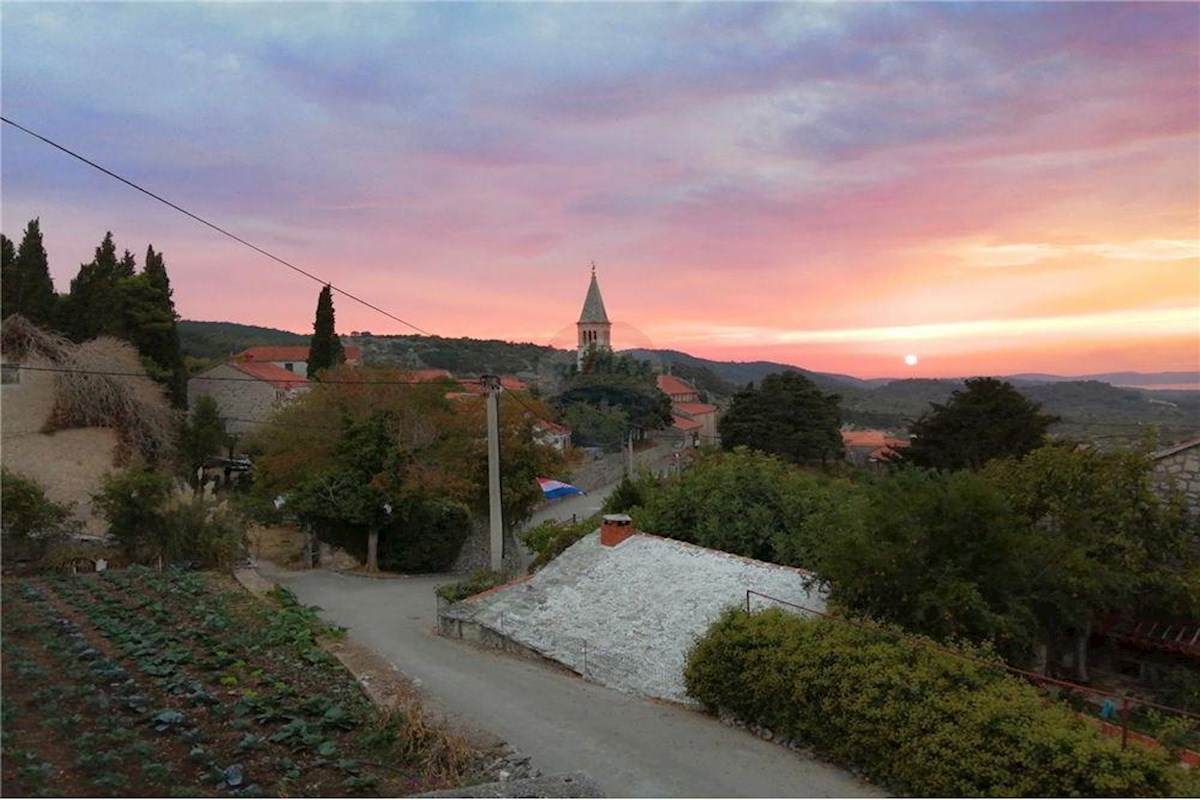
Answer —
740 373
218 340
1138 379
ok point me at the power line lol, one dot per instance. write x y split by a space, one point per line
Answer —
214 226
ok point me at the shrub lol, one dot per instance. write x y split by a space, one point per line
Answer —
31 522
155 522
551 538
918 721
425 536
480 581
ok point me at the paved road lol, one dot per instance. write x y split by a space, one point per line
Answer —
633 747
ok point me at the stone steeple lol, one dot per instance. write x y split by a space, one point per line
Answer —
594 328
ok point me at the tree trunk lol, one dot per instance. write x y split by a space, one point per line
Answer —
1041 659
1081 648
373 550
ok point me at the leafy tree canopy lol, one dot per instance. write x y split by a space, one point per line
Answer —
988 419
617 383
786 415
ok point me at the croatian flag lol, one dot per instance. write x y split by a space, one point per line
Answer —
554 489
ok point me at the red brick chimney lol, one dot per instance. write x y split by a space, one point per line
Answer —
615 529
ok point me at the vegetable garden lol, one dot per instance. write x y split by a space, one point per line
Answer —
130 683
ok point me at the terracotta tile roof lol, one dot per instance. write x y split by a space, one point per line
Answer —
685 424
871 439
278 377
671 385
297 352
430 375
695 409
553 427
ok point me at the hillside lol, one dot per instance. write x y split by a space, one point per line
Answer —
216 340
739 373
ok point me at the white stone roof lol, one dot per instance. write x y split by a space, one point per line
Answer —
626 616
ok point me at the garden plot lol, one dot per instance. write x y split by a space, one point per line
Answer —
181 684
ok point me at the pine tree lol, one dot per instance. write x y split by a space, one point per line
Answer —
27 287
9 279
325 350
93 304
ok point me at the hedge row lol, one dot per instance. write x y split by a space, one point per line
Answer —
915 720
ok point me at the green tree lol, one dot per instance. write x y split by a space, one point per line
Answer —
1103 541
325 350
93 305
597 426
623 383
747 503
940 554
151 324
203 436
988 419
26 287
787 415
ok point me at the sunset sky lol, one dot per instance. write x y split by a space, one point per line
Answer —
994 188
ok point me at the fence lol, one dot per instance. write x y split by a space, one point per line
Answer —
1089 694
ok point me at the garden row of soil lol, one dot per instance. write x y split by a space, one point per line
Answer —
181 683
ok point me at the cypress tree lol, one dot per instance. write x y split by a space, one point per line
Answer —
27 287
9 279
325 350
93 303
149 322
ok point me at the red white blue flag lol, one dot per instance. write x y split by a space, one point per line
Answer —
554 489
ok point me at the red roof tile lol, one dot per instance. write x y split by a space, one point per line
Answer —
685 424
871 439
695 409
278 377
297 352
671 385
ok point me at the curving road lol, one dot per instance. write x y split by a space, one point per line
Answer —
633 747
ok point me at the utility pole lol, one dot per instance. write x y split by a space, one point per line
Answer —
629 456
491 385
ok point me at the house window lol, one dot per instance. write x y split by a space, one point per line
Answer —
10 374
289 366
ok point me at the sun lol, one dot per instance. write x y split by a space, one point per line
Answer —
911 360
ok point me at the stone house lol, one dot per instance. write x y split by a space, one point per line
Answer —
1178 466
696 421
552 434
248 392
292 358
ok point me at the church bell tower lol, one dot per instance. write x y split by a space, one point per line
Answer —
595 331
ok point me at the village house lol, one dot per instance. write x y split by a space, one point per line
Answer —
1178 468
696 421
293 358
864 448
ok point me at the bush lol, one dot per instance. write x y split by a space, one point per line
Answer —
918 721
65 555
31 522
426 536
155 522
480 581
750 504
551 537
